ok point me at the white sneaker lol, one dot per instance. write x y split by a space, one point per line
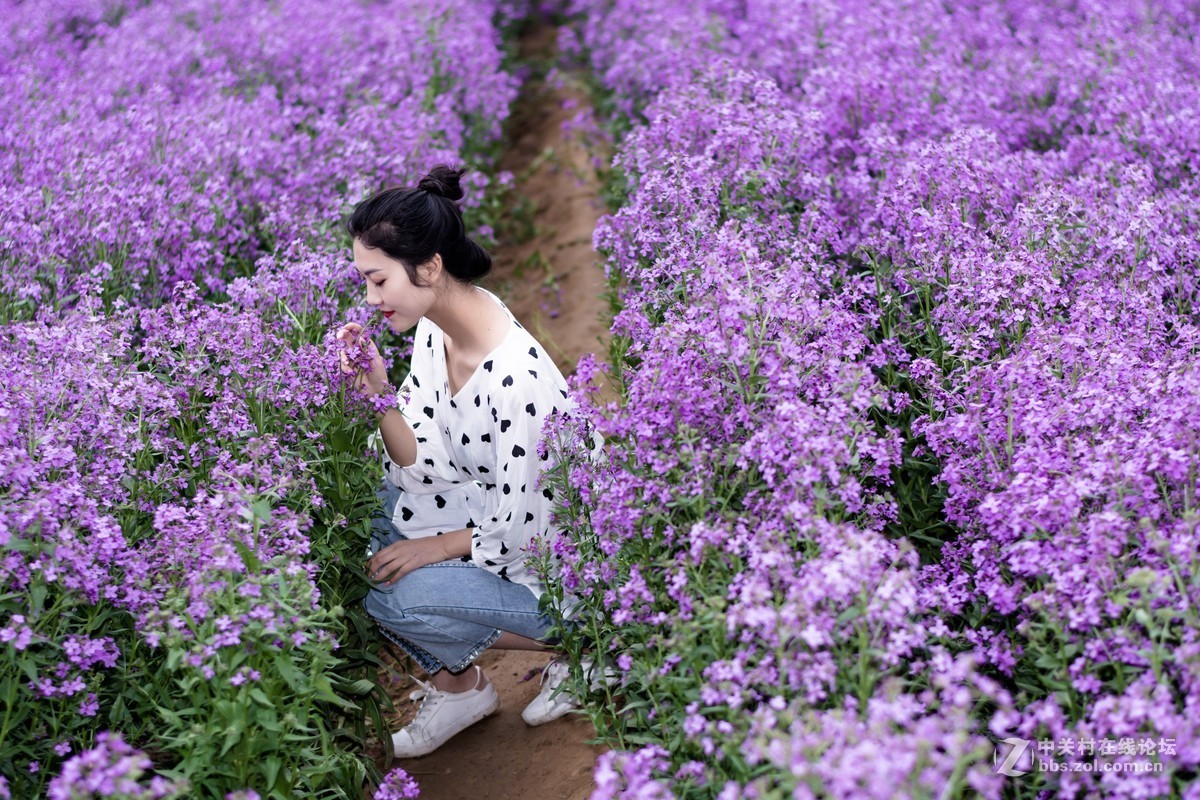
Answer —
554 700
443 714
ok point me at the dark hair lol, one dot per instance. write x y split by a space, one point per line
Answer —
411 225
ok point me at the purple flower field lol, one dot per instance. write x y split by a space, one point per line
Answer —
907 460
187 483
179 141
899 498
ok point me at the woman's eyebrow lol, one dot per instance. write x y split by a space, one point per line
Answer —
371 272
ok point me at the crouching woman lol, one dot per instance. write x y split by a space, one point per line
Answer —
462 495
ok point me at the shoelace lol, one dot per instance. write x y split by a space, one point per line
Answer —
557 666
429 696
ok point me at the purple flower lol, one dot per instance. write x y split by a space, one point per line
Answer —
397 785
90 706
110 768
630 775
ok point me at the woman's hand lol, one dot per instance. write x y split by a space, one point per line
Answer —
402 557
374 382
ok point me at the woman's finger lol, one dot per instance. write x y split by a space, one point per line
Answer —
382 564
394 574
394 568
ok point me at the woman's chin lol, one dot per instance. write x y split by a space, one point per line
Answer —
398 324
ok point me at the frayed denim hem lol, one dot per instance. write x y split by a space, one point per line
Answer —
474 654
424 659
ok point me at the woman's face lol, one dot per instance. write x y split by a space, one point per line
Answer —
390 290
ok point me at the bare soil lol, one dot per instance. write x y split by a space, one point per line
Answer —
554 284
553 280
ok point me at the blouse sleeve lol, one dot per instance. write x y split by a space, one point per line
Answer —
515 510
431 472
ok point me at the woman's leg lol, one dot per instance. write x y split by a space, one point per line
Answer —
448 681
515 641
453 611
383 533
444 615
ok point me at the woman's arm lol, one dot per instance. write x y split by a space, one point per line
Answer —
402 557
398 438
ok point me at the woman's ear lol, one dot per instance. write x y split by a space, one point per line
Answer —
431 271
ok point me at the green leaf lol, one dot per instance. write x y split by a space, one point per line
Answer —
271 768
28 667
288 671
251 561
325 692
358 688
232 737
262 509
37 599
268 721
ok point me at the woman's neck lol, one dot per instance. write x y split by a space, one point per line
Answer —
471 321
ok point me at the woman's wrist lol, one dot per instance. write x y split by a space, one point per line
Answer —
456 544
383 401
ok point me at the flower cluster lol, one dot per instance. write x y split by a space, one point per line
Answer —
397 785
112 769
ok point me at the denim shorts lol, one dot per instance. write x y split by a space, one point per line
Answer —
444 615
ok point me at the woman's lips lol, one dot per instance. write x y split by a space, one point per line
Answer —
388 314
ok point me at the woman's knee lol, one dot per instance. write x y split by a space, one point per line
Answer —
414 592
386 603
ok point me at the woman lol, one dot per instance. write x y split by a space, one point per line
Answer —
462 461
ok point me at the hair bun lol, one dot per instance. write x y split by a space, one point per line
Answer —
443 181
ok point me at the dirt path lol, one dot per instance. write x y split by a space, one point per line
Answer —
553 281
554 284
